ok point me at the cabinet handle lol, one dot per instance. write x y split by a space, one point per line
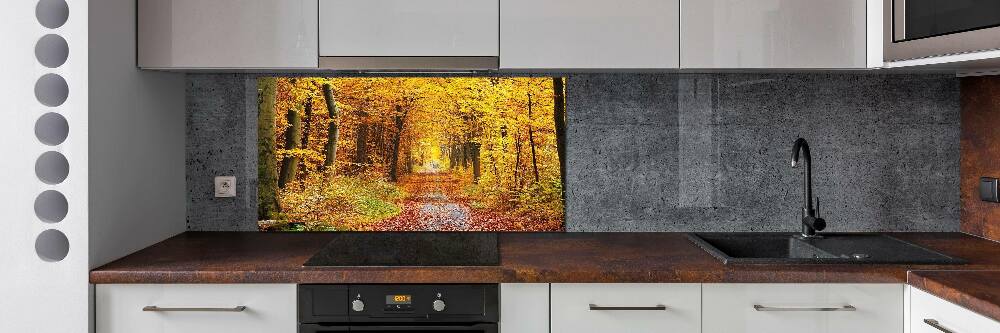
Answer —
594 307
155 308
935 324
759 307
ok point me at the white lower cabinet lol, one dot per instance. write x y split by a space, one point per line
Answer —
570 308
929 314
202 308
625 307
524 308
803 308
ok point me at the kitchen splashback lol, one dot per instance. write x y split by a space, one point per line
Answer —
980 139
410 153
681 152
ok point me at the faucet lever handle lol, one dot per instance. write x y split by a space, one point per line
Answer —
817 206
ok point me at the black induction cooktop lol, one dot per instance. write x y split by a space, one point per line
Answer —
409 249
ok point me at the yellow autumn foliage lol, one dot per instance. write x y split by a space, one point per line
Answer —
408 148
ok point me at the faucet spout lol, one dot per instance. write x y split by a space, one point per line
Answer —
810 222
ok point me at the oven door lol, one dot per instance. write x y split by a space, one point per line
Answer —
916 29
474 328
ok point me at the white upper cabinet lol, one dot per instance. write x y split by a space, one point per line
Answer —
509 34
196 34
409 28
589 34
776 34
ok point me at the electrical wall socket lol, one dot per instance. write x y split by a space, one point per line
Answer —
988 189
225 186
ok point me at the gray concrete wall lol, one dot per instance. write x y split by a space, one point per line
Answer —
684 152
221 141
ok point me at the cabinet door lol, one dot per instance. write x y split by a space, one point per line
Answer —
929 314
227 34
773 34
409 28
797 308
582 34
624 307
195 308
524 308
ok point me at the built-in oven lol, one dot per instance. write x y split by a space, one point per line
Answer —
424 308
916 29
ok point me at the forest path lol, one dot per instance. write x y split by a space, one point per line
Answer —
434 204
433 198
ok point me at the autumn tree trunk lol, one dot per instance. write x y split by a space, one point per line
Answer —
493 162
559 113
400 120
293 137
332 131
452 157
378 137
465 155
409 163
531 141
361 144
306 120
517 160
474 151
267 168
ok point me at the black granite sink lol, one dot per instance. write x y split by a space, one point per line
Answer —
787 248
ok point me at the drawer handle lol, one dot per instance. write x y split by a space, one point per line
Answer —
935 324
155 308
759 307
594 307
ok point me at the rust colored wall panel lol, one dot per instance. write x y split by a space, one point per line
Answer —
980 153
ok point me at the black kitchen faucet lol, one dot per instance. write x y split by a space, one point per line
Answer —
810 222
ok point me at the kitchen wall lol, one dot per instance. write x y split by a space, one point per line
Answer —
221 141
682 152
136 141
980 149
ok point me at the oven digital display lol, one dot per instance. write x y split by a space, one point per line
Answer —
398 299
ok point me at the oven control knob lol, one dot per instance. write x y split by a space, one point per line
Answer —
358 305
438 305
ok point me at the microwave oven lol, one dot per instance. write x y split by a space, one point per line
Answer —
915 29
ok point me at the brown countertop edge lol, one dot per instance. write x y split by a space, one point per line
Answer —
254 257
978 291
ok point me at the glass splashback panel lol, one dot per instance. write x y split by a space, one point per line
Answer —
411 153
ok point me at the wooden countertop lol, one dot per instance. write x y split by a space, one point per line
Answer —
978 291
254 257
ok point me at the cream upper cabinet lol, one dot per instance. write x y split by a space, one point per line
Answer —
777 34
588 34
409 28
179 34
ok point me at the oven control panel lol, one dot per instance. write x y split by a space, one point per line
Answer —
398 303
396 308
404 303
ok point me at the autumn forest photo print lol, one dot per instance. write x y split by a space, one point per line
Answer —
411 153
